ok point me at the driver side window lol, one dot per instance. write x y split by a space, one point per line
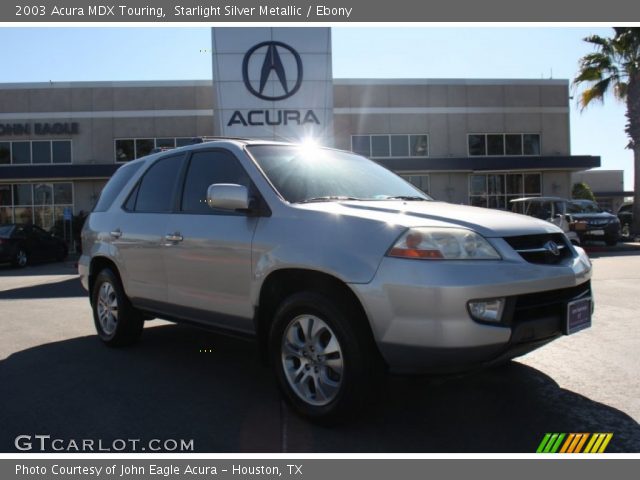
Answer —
207 168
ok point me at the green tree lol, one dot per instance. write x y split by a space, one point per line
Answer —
614 66
582 191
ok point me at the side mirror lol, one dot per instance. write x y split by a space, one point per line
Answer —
228 196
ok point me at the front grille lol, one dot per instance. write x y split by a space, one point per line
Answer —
541 315
536 248
598 223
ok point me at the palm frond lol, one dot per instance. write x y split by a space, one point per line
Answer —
596 92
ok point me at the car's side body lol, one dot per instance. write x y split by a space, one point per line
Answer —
21 244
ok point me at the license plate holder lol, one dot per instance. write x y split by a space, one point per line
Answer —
578 315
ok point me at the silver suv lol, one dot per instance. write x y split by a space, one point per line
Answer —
336 266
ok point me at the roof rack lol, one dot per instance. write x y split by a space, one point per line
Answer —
196 140
215 138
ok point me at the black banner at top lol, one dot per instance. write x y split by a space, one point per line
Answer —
319 11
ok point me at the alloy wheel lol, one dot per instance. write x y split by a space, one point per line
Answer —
312 360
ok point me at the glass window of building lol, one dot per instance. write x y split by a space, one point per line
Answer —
5 153
22 194
513 144
35 152
20 152
495 144
5 196
477 145
419 180
165 142
40 204
182 141
481 144
419 145
531 144
361 144
144 146
399 146
41 152
62 193
61 151
43 194
385 146
496 190
125 150
380 146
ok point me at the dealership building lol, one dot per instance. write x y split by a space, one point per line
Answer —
480 142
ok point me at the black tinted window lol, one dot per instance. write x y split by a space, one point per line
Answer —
207 168
115 186
156 189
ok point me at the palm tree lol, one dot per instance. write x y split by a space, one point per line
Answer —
614 67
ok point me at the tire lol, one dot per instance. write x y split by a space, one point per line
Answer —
117 322
63 254
610 241
626 230
329 373
21 258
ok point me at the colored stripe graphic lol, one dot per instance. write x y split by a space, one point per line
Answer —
574 443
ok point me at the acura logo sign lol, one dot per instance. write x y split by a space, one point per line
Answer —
552 247
273 67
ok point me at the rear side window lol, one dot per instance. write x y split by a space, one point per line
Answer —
207 168
115 186
155 192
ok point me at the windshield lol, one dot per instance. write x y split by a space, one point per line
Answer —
585 207
302 174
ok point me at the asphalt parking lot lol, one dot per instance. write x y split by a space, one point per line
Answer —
58 379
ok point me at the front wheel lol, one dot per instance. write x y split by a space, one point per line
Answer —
117 321
322 356
611 241
21 258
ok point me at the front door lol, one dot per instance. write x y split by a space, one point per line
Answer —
208 252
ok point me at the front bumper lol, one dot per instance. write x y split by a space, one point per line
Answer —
83 270
598 231
418 309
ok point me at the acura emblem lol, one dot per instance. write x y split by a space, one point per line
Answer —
552 247
272 66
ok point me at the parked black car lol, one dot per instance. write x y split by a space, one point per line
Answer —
625 215
601 225
23 244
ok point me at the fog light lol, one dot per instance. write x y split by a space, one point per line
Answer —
486 310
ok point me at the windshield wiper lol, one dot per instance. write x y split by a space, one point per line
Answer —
328 198
404 197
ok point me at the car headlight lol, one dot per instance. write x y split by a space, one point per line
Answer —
426 243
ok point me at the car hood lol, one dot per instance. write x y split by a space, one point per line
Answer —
487 222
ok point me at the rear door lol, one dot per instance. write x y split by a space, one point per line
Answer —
208 252
139 230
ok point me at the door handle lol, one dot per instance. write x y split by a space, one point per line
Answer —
173 237
116 233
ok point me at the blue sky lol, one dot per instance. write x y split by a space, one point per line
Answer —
107 53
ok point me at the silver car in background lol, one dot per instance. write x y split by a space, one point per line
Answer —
337 267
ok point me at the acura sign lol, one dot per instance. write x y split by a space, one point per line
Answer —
273 83
272 65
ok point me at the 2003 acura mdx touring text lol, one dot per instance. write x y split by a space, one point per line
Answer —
338 267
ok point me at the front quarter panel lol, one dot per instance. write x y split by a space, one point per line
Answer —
348 248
